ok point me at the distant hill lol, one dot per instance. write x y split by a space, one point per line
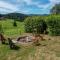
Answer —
15 16
1 15
38 14
19 16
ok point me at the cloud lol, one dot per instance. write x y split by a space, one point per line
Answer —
27 6
4 10
28 2
55 1
38 4
31 2
7 6
48 5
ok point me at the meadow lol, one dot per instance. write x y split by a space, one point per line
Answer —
44 26
49 49
10 30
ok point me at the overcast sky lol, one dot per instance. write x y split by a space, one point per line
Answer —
27 6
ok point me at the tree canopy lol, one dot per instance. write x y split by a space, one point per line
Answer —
56 9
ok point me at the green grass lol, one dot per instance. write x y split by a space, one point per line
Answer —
22 54
10 30
30 52
48 50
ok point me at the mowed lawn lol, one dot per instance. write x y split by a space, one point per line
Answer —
10 30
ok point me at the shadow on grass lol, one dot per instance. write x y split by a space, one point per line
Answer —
14 47
6 44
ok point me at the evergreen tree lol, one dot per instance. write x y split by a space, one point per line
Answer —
15 24
56 9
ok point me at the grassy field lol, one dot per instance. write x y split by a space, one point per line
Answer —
48 49
10 30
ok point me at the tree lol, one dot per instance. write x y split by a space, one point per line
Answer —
35 25
53 23
56 9
15 24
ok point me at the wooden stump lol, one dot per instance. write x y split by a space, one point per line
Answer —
2 39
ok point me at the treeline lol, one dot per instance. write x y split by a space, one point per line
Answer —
43 24
13 16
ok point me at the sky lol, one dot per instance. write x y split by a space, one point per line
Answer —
27 6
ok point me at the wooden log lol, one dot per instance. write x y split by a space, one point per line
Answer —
2 39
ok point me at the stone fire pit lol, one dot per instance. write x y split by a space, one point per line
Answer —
23 39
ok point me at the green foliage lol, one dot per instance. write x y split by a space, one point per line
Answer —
35 25
38 24
15 16
53 23
10 30
1 29
56 9
15 24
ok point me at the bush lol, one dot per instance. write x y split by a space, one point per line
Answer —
53 23
35 25
15 24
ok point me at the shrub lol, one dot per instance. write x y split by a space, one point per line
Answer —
35 25
14 24
53 23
